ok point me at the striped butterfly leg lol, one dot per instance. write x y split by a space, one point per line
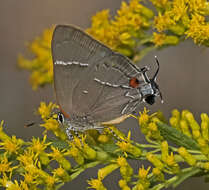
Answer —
73 131
69 133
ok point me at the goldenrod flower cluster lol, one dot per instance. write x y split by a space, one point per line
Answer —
184 141
181 18
126 30
134 31
40 65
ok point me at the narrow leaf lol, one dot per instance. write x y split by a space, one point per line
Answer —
177 137
184 175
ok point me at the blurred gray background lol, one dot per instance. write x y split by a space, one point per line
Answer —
183 75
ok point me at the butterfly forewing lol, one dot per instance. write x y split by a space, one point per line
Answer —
90 80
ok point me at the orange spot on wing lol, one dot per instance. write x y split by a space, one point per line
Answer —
63 112
134 82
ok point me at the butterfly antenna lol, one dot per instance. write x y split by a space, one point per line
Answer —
158 68
161 97
154 78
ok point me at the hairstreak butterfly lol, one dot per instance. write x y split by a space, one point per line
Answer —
94 85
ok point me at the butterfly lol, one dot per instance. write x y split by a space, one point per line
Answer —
94 85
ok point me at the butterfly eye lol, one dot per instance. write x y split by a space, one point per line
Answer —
60 118
150 99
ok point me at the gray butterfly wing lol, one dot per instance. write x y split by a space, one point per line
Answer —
90 80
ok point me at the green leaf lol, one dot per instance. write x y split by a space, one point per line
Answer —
184 175
177 137
59 144
110 148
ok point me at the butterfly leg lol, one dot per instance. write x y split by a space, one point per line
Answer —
69 134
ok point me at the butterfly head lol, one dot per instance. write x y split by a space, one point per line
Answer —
151 89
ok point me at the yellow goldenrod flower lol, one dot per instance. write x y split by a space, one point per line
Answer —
123 185
50 181
62 174
143 117
38 146
187 156
143 120
87 151
205 130
198 29
160 3
143 173
41 66
155 161
103 172
30 179
96 184
185 128
204 117
164 150
205 126
141 186
78 141
203 146
13 186
24 185
158 174
129 148
174 122
16 186
172 163
103 138
59 157
158 39
122 161
27 157
176 113
170 160
32 169
123 28
203 165
3 135
143 182
153 131
179 9
125 38
56 154
53 125
126 170
197 6
190 118
194 125
5 165
12 145
4 180
46 110
44 177
44 159
76 154
163 22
